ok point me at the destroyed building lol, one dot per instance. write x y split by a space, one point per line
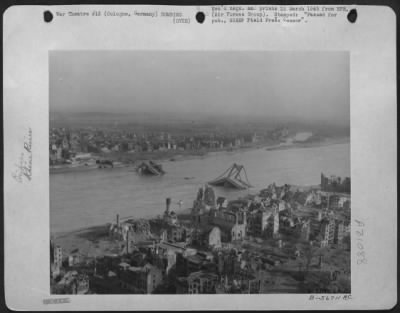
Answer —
335 184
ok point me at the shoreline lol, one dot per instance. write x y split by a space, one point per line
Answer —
64 233
130 160
322 143
175 156
83 168
93 240
180 213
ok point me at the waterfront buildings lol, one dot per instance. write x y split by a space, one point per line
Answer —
280 240
65 144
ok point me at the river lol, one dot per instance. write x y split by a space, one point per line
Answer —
92 197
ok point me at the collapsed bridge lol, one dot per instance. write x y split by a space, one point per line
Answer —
150 168
232 178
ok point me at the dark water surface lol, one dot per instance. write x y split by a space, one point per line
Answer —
80 199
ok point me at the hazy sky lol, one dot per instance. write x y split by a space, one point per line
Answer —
291 85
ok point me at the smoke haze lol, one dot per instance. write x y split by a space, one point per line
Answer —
298 86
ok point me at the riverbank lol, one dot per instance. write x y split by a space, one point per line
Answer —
94 197
126 159
83 167
310 144
94 240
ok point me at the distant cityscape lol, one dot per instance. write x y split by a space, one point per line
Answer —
285 239
72 145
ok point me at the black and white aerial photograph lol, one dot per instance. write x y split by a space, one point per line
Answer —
199 172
